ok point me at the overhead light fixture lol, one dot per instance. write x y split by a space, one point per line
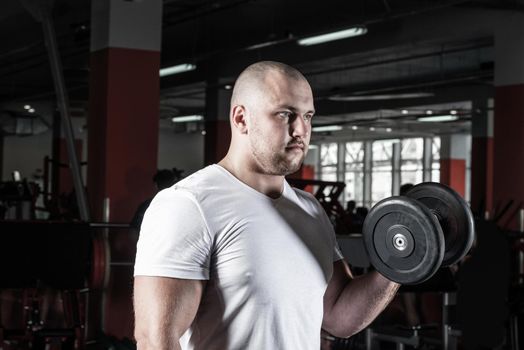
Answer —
27 107
405 111
187 118
326 128
438 118
381 96
453 112
372 129
338 35
429 112
31 110
180 68
354 127
228 86
389 130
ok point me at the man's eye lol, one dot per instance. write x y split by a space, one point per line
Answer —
285 114
308 117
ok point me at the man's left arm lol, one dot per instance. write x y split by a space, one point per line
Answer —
350 304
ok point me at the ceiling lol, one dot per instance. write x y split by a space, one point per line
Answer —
417 55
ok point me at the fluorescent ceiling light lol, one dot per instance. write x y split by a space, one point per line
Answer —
180 68
187 118
381 97
327 128
341 34
438 118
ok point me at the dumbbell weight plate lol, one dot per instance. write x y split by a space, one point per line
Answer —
453 214
404 240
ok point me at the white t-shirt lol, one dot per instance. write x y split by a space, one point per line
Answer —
267 261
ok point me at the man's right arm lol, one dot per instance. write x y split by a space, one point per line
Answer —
164 309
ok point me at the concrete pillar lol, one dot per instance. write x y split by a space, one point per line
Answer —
218 130
427 159
123 135
395 168
508 143
341 162
453 156
368 168
482 158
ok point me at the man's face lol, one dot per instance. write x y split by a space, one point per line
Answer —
280 124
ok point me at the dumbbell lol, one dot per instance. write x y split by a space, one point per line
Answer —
408 238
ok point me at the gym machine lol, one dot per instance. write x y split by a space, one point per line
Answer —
45 261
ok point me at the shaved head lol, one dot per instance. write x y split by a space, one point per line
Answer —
271 109
254 80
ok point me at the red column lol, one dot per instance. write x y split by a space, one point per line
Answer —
123 135
453 154
123 129
482 159
508 147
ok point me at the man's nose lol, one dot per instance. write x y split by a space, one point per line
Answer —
299 127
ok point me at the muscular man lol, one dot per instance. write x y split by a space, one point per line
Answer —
232 257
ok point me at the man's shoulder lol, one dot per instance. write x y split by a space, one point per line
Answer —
205 185
199 177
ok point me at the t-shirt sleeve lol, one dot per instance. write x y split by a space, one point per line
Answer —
174 238
330 231
337 253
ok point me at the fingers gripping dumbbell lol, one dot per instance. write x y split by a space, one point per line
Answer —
408 238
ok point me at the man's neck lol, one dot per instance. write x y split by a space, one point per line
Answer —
270 185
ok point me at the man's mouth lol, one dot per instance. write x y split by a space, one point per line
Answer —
295 145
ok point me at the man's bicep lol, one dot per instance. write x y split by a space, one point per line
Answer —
341 276
164 309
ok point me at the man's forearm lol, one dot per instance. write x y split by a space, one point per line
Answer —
359 303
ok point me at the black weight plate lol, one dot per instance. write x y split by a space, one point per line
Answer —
453 214
404 240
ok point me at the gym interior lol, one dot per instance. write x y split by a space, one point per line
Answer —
102 100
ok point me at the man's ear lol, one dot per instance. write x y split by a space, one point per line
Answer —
239 118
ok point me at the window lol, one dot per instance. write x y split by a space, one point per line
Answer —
411 165
328 161
354 172
382 170
370 180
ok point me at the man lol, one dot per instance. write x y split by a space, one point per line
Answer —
232 257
